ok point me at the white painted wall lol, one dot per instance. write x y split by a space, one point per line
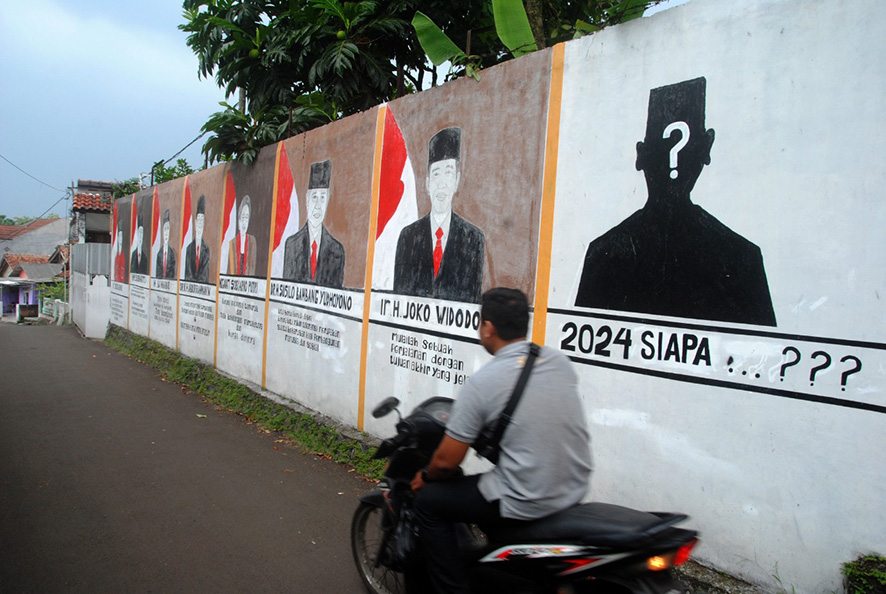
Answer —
90 298
779 474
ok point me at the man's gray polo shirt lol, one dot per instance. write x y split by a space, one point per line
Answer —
545 460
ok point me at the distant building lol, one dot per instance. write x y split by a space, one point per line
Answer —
21 274
91 212
37 237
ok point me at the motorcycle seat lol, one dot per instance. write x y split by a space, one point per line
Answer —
592 524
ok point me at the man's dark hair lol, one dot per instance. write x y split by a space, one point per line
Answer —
508 310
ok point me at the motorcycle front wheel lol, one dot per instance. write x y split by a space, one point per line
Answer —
366 538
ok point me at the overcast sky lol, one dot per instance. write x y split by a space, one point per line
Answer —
94 89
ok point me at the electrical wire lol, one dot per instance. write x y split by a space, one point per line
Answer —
34 178
183 149
65 197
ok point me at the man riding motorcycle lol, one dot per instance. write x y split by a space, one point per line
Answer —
544 463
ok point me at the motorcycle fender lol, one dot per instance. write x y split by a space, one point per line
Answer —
375 497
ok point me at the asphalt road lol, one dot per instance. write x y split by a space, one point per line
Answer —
111 482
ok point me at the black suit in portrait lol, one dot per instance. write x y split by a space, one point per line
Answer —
460 277
330 259
192 271
138 264
170 264
685 264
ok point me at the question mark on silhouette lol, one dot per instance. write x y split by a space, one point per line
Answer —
683 129
787 364
817 368
849 372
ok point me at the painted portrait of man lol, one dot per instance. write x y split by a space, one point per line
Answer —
165 265
441 255
312 255
139 263
197 254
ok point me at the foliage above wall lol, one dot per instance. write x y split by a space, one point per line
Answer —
300 64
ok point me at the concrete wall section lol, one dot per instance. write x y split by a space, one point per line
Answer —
201 209
119 300
315 321
243 285
140 262
422 337
729 331
692 201
165 257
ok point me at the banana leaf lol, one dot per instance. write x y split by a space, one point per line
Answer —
512 26
434 41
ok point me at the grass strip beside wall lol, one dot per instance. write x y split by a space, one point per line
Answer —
301 428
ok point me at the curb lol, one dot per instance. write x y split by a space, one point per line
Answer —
698 579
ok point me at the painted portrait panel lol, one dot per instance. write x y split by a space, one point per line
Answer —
475 177
202 206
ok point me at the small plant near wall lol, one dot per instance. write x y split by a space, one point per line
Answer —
866 575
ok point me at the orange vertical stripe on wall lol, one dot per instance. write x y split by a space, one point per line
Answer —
370 259
549 188
273 241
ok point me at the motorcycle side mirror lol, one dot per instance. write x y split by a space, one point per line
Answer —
385 407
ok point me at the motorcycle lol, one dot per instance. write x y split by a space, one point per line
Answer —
590 547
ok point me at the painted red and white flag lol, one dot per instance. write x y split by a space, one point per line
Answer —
286 222
132 225
229 221
397 202
187 231
116 242
156 237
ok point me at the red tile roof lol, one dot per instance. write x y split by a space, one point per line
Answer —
88 201
12 231
14 260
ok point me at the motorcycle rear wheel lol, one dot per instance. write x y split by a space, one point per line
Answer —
366 537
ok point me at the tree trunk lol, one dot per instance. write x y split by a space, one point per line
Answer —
536 22
401 83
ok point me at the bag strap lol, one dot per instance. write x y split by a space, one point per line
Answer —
505 419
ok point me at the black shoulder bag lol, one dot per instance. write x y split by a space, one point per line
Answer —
487 443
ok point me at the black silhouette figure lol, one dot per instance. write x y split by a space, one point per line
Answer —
672 257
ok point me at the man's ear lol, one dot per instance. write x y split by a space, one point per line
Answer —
641 156
709 142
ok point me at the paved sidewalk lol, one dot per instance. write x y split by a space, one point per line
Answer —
111 481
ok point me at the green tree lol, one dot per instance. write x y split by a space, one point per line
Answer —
50 291
516 27
297 64
125 188
162 173
5 220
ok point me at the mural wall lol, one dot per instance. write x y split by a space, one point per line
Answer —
691 202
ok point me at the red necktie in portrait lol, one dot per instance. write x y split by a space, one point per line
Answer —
438 251
313 259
